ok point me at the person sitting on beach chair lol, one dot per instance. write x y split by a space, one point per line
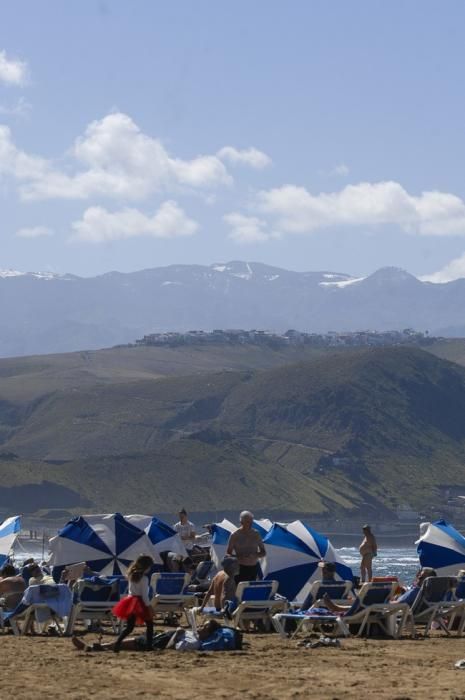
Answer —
25 569
37 577
12 587
407 597
410 595
223 586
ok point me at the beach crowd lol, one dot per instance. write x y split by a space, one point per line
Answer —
217 594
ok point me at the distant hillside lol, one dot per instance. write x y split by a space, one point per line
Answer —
338 432
45 313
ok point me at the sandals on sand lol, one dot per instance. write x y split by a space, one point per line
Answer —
322 642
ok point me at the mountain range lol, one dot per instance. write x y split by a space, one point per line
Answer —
48 313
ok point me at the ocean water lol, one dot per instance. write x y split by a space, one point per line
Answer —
402 562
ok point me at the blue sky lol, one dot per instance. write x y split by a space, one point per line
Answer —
309 135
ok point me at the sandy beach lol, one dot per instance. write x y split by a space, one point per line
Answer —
268 667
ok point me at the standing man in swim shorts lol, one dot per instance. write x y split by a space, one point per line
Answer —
368 549
247 545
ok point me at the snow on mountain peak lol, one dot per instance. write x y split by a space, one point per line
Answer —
37 275
11 273
239 269
338 280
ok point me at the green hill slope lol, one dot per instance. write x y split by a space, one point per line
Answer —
362 429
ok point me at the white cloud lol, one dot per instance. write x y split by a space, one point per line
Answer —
452 271
249 156
247 229
12 71
99 225
341 170
22 108
17 163
295 210
114 159
34 232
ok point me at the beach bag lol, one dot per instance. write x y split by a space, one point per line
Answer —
224 639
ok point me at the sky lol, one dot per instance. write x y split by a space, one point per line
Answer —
310 135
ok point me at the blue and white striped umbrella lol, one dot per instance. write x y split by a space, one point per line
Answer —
293 552
221 532
162 536
108 543
442 548
263 526
9 531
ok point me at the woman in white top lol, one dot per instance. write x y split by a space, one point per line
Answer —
135 607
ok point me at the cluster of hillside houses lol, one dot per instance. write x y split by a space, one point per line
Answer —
291 337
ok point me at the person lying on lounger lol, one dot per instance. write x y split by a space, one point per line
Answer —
408 596
179 639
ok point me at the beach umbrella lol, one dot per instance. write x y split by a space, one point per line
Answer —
9 531
222 531
108 543
442 548
162 536
293 552
263 526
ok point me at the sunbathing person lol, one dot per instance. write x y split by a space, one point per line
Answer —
223 585
411 593
12 587
10 581
179 639
328 572
407 597
36 576
25 569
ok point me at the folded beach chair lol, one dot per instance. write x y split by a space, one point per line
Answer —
169 593
94 599
202 577
339 593
40 605
436 602
373 606
257 601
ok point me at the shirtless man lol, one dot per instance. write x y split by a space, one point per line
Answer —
12 586
247 545
368 549
223 585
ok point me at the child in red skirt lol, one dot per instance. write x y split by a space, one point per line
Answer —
135 607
